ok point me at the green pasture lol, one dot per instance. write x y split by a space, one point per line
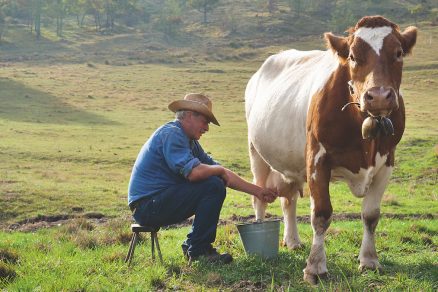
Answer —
70 131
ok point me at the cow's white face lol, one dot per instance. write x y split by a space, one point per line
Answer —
374 56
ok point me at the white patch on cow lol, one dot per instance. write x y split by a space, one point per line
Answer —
360 182
318 155
316 263
318 240
374 36
283 88
291 237
312 205
371 209
376 190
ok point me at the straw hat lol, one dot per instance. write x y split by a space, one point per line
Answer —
196 102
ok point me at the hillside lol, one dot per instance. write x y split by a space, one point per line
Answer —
235 30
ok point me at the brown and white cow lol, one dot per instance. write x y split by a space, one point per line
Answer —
301 129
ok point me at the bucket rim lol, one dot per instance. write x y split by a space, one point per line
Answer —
258 222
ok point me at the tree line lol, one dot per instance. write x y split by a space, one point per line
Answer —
168 15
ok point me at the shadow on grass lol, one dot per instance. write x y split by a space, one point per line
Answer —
426 271
24 104
254 273
285 273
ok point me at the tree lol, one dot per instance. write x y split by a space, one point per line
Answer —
342 16
3 21
204 6
95 8
272 6
170 17
323 9
37 8
296 6
57 9
433 16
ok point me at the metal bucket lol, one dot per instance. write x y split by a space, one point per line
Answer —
260 238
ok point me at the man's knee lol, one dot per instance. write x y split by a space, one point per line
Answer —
216 187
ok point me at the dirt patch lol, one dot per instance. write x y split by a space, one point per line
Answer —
43 221
46 221
246 285
305 219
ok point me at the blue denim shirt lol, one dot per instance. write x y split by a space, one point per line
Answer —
166 159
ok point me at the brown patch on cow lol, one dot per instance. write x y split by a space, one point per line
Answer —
321 224
340 132
374 21
371 220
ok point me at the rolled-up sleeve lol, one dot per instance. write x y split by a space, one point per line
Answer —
203 157
177 153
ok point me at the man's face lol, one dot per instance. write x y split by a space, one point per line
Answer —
196 125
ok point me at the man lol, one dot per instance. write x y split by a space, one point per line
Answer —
174 179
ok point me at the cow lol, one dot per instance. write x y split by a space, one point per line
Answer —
320 116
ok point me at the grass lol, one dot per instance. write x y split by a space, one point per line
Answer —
71 127
51 261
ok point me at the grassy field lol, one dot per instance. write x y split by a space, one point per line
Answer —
71 127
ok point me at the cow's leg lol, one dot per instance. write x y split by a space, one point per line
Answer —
260 170
318 177
370 218
289 196
289 205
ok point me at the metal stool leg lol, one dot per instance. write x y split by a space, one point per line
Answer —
152 245
133 244
158 247
130 248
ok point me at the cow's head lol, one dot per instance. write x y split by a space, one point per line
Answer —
374 52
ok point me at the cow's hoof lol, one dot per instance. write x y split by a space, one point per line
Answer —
370 266
292 246
313 279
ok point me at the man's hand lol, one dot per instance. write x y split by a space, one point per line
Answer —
267 195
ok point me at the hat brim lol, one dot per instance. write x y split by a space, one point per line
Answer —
198 107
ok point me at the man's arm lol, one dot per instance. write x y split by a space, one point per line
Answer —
232 180
204 171
237 183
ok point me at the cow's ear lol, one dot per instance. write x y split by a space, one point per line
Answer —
338 44
409 38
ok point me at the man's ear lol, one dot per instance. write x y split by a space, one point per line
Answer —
409 38
338 45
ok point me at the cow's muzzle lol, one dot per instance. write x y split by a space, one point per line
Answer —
379 101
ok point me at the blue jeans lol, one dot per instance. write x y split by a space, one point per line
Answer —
203 199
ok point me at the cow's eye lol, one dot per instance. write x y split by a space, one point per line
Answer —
352 60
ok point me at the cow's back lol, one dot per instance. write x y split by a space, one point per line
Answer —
277 98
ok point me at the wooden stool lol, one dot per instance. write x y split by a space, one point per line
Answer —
136 229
